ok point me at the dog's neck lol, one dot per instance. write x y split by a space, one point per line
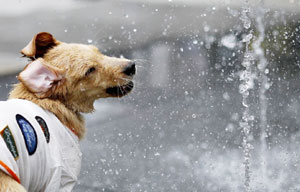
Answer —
72 120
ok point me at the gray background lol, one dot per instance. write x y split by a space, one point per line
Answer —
179 129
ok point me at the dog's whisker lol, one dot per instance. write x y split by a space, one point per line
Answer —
126 79
142 63
123 92
141 60
126 86
138 84
140 67
121 89
118 93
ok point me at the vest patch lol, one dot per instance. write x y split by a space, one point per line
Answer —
44 127
29 134
10 142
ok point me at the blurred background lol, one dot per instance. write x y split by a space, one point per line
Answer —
182 127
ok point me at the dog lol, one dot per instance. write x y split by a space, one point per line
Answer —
41 123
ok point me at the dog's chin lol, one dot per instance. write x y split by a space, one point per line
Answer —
120 91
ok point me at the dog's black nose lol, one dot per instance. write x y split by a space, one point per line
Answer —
130 69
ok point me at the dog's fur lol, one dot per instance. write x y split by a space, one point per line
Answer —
84 75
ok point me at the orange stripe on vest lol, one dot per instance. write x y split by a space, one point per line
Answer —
13 175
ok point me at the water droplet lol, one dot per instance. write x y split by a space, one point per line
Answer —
195 42
251 118
206 28
90 41
267 86
245 104
135 30
226 96
194 115
66 30
247 38
267 71
229 41
247 24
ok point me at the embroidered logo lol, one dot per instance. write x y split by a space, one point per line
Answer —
10 142
44 127
29 134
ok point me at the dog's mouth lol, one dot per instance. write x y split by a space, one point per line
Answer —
120 91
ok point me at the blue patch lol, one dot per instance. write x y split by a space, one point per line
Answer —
29 134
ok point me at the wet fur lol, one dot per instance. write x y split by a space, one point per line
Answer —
76 92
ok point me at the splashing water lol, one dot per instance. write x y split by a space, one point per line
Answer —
247 83
263 87
247 78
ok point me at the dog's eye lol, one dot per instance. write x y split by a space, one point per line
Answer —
90 70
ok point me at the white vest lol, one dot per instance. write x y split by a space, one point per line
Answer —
36 148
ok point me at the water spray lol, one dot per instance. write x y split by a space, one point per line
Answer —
247 83
263 86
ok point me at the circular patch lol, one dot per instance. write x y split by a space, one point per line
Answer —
29 134
44 127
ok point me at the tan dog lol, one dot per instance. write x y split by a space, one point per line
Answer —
65 79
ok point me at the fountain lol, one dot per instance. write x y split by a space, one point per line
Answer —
247 83
263 87
247 78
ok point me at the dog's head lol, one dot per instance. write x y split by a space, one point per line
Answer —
75 74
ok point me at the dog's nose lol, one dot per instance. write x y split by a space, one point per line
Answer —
129 69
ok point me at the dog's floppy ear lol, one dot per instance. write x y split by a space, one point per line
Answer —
40 78
39 45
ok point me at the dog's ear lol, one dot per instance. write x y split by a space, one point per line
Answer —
39 45
40 78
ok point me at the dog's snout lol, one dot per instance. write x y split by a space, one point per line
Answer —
130 69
